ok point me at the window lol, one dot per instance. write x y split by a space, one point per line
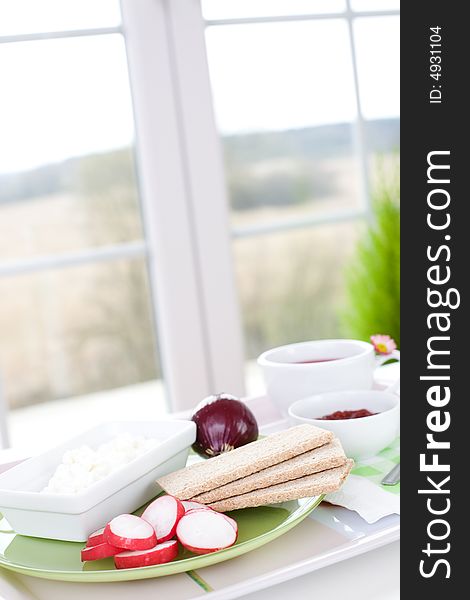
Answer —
289 149
306 96
76 312
127 208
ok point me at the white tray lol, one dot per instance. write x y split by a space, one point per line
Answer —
331 534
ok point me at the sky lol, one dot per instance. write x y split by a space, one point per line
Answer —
69 97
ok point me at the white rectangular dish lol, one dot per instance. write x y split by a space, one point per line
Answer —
72 517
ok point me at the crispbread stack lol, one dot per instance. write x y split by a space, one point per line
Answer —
310 485
295 463
202 477
325 457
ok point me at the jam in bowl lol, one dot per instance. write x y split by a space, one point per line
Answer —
340 415
361 437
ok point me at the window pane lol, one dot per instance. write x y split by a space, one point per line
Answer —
375 4
383 148
377 41
36 16
288 146
68 183
291 284
383 136
74 331
233 9
291 175
280 75
67 177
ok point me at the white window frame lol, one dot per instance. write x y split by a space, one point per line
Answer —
184 195
184 201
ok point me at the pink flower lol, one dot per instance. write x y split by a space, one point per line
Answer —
383 344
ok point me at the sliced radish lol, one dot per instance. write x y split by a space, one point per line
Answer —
163 514
95 538
161 553
232 522
191 505
99 551
130 533
204 531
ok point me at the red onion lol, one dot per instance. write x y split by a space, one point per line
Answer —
223 423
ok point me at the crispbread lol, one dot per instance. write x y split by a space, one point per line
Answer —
273 449
310 485
320 459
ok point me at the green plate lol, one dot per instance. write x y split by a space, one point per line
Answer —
51 559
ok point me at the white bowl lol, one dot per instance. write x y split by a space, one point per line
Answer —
73 517
363 437
343 365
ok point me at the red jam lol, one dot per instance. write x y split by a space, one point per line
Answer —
347 414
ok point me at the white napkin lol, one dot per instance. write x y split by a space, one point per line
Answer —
368 499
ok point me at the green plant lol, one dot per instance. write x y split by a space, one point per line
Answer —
373 274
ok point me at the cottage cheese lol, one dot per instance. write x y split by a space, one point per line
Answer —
81 467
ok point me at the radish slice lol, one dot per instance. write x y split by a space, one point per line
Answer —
95 538
191 505
163 514
99 551
161 553
204 531
130 532
232 522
